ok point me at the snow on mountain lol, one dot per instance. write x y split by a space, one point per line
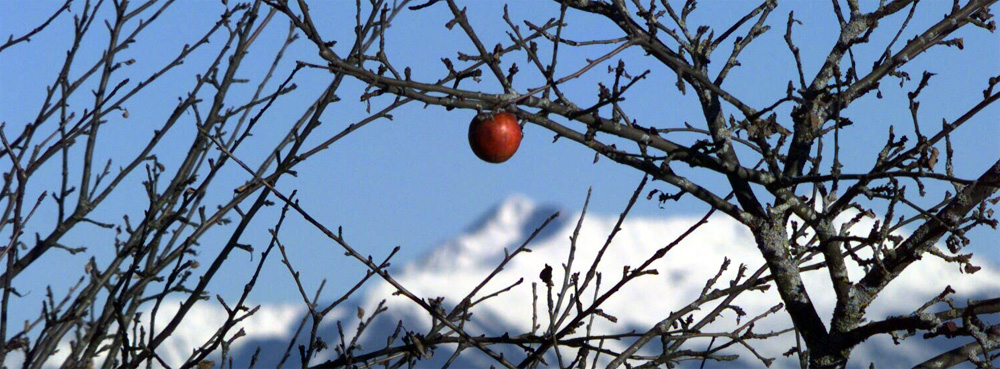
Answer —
452 269
270 322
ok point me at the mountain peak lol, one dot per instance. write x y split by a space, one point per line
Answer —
505 225
515 208
518 216
514 211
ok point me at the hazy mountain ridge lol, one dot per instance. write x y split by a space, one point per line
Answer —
454 267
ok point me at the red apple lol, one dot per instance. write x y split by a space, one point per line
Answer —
494 137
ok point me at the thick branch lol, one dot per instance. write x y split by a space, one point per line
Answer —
925 237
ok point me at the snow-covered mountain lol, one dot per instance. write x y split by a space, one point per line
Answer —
453 268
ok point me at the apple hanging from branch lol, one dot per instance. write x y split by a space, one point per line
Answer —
495 137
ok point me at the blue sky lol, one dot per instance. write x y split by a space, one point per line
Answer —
413 181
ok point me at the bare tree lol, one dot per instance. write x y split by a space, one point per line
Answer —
789 198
